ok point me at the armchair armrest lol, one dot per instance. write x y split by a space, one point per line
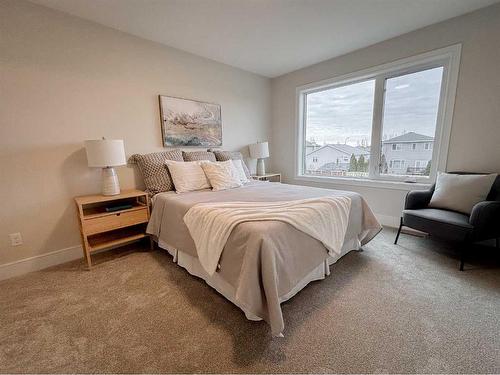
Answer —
417 199
485 218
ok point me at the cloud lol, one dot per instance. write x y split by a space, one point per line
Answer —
346 112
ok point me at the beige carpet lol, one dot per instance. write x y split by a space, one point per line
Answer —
390 308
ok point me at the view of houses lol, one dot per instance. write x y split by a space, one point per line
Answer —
407 154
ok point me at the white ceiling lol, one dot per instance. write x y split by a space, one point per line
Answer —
268 37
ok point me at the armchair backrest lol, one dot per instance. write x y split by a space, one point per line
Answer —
494 194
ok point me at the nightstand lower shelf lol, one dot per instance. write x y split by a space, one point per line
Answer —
114 238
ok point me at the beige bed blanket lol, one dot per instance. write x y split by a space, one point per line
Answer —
210 224
262 260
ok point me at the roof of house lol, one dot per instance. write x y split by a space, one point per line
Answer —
311 144
346 149
410 137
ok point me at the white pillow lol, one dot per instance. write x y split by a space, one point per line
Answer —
461 192
187 175
221 175
239 171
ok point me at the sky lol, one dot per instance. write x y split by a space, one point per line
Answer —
344 114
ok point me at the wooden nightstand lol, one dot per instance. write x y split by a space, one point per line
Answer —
101 229
273 177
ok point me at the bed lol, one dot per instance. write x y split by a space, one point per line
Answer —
263 263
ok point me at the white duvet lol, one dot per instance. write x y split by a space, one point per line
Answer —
211 224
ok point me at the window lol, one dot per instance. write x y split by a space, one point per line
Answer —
374 121
330 116
411 104
397 164
315 159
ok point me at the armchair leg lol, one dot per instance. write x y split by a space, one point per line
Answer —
463 249
399 231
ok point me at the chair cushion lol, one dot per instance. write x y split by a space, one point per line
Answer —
444 216
460 192
440 223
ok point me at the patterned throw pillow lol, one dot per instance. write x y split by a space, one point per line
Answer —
221 175
198 155
154 172
231 155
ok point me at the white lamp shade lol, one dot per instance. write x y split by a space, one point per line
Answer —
259 150
105 153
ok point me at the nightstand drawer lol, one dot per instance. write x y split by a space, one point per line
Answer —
115 221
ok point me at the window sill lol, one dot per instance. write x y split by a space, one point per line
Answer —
380 184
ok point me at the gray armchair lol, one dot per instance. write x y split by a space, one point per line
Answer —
482 224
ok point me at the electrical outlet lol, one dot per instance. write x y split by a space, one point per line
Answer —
16 239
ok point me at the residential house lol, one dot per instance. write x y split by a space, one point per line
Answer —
407 154
334 157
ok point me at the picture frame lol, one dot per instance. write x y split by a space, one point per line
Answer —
190 123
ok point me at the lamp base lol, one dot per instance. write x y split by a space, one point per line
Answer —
110 184
261 167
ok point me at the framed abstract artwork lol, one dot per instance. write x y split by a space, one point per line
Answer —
187 122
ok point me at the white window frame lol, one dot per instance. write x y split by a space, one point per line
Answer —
448 58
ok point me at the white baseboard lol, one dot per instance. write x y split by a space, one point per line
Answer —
388 221
39 262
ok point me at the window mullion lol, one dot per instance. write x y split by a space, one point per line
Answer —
376 140
304 132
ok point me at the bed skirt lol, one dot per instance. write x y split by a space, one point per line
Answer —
193 266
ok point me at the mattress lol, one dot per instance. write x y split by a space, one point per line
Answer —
263 263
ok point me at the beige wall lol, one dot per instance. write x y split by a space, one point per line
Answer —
64 80
475 135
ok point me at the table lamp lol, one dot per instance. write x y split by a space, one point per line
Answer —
106 154
260 151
